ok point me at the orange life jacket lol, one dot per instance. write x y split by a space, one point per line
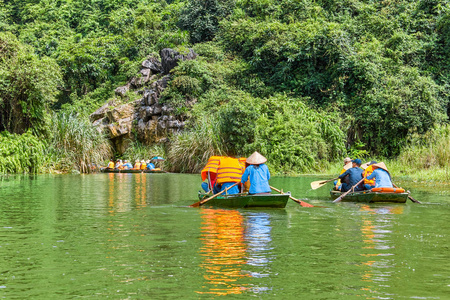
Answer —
230 170
366 173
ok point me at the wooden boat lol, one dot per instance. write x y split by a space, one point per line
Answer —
372 197
105 170
246 200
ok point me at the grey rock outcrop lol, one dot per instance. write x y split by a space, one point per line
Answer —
145 119
170 58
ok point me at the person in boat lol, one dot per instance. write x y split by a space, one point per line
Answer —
110 165
381 175
216 187
127 165
229 172
137 165
150 166
258 174
347 165
143 165
369 183
354 176
118 164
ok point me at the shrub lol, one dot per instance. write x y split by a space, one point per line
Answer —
76 144
28 86
190 150
21 153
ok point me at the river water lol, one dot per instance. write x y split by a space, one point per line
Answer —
133 236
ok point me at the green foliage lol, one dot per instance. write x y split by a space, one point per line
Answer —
431 150
28 86
237 120
189 150
76 145
377 72
138 151
358 150
88 62
201 18
191 79
398 106
21 153
294 137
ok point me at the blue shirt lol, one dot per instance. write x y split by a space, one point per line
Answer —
128 166
259 176
355 175
150 166
382 178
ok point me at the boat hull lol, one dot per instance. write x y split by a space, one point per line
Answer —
129 171
371 197
246 201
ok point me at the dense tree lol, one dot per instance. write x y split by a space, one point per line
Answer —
382 66
28 86
201 18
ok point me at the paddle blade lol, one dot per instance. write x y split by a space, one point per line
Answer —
414 200
304 204
317 184
338 199
196 204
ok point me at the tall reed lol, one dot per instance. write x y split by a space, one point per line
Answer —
76 144
191 149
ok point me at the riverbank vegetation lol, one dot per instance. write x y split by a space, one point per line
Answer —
306 83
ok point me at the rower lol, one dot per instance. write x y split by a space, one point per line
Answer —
381 175
258 174
354 176
347 165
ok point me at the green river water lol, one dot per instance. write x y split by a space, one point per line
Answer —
133 236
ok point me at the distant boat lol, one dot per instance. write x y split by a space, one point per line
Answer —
105 170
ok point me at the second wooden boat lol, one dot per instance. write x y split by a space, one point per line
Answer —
372 197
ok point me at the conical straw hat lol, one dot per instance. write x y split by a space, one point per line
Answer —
381 165
256 159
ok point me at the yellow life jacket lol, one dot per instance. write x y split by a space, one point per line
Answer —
230 170
143 166
110 165
137 166
366 173
211 166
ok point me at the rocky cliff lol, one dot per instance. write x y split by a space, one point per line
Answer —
145 119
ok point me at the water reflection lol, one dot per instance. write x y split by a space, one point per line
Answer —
123 189
224 251
233 245
258 236
376 229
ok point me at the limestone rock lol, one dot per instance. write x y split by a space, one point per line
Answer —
170 58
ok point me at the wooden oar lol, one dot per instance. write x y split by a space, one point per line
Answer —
345 194
199 203
304 204
409 197
320 183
